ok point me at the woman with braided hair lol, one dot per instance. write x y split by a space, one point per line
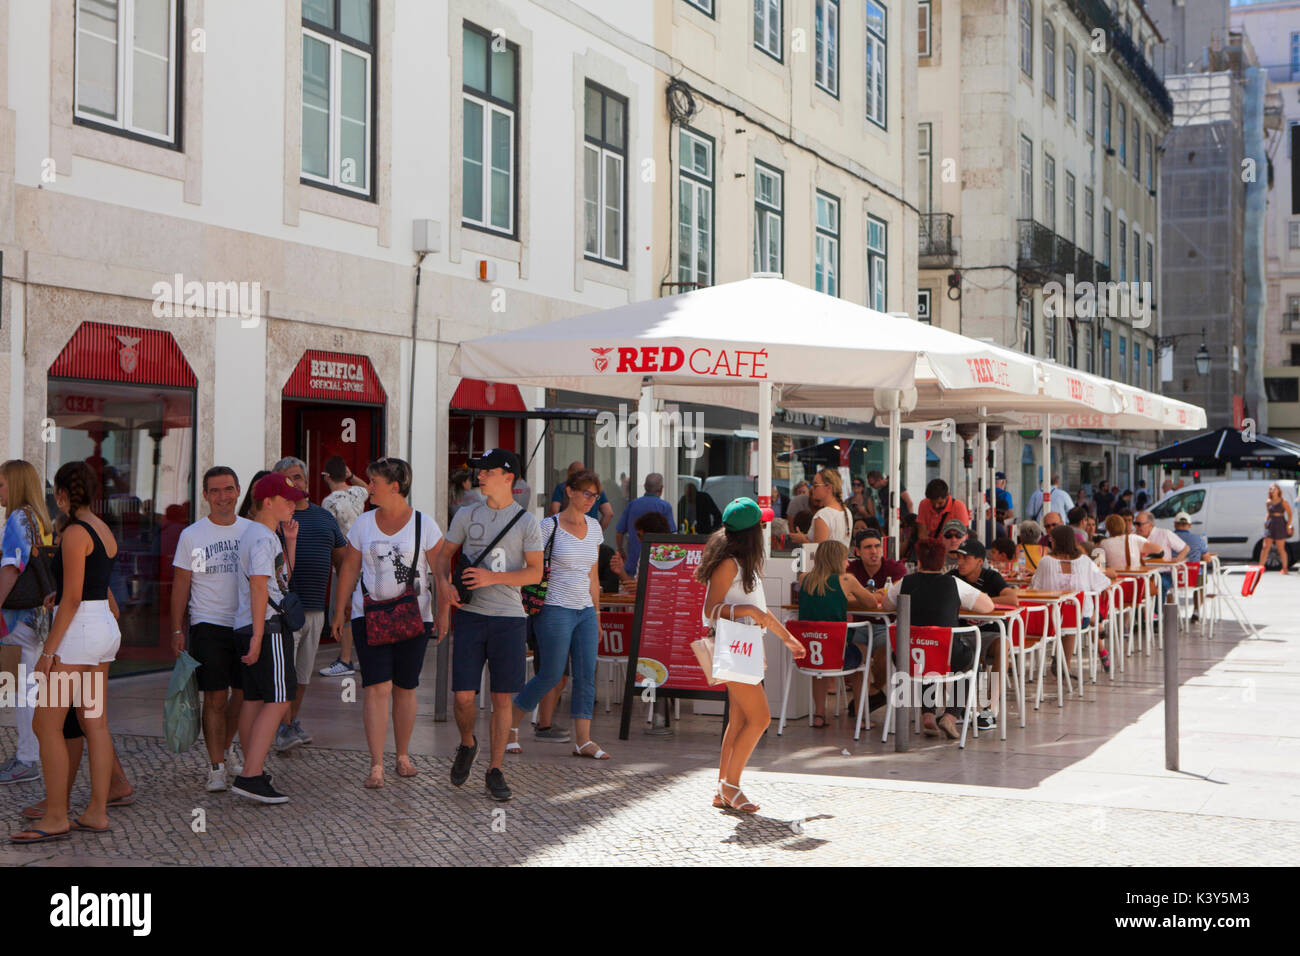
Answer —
83 641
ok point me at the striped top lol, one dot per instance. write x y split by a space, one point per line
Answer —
569 582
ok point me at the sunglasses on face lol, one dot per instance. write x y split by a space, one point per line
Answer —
586 494
953 534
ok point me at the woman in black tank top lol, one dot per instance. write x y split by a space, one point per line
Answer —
83 641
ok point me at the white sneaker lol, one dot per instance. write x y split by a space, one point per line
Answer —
217 779
233 763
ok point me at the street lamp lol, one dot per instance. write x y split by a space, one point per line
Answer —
1202 358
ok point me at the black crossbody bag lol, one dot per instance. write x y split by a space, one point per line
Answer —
37 577
463 563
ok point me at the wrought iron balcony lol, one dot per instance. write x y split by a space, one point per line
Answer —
1093 14
1103 272
1064 255
1083 269
936 250
1291 321
1036 246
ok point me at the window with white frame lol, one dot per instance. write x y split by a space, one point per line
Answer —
604 175
1293 234
826 55
1049 191
1151 265
877 269
1105 117
1121 120
1085 241
767 219
1049 336
876 63
1069 206
695 209
1151 371
923 307
1151 163
925 168
1137 254
1295 55
1049 59
489 100
1137 149
1123 359
1026 178
923 28
826 250
1070 102
1137 363
1089 351
1089 102
1122 259
1105 353
1027 37
1071 333
337 82
767 27
125 65
1027 326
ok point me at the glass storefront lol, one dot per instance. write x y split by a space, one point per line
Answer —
139 440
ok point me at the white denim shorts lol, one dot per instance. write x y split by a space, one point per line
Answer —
93 636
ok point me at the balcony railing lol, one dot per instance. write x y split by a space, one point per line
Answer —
1291 321
1093 14
1037 245
936 239
1103 272
1084 265
1064 257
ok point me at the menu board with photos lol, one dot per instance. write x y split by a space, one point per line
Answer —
668 618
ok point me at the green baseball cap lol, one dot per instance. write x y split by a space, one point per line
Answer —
744 513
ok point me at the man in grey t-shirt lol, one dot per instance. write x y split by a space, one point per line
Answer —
492 627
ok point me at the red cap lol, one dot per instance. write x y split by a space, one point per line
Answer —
767 514
275 484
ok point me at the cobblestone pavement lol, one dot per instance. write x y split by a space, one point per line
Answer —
596 814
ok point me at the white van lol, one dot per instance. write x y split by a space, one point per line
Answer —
1230 514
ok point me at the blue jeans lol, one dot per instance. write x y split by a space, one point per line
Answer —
563 633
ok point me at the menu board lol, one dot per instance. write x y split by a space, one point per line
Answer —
668 618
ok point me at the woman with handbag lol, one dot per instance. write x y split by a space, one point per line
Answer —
387 570
27 526
262 634
82 642
731 567
1277 526
568 622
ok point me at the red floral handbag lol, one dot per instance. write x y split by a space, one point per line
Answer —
397 619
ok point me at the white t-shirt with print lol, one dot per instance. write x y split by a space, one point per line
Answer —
260 553
346 505
210 552
386 560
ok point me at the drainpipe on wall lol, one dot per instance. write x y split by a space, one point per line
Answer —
415 322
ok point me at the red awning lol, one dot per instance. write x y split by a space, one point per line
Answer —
119 353
475 395
337 377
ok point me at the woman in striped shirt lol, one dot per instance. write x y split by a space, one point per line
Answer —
569 623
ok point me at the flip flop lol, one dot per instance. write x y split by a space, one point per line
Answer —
42 838
824 723
513 746
123 801
33 812
582 751
82 828
413 772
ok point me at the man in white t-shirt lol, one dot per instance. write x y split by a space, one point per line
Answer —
1175 547
346 501
205 582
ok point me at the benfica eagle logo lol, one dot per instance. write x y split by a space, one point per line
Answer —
601 361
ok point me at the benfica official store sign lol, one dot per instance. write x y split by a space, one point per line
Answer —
335 376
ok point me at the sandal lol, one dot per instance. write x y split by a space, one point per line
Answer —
816 726
598 755
747 807
83 828
411 770
41 836
375 780
718 802
123 801
513 747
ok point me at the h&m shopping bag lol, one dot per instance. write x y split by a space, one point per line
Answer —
738 652
181 707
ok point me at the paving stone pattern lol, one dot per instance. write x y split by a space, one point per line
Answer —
598 814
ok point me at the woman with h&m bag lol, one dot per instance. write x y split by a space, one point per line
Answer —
731 567
386 569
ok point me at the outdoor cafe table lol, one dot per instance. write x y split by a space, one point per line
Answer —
1002 616
1055 599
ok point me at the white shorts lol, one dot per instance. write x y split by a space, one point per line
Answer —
93 636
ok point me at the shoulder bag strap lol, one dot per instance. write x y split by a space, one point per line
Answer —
415 554
493 543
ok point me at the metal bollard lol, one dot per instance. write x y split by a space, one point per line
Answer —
1169 628
902 664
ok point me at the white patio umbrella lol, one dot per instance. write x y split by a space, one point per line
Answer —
728 344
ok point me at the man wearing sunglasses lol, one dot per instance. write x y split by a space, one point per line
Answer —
938 508
954 536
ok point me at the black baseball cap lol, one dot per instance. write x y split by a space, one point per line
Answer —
498 458
973 548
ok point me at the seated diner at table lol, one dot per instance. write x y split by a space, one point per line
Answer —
971 569
1067 568
937 601
827 593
